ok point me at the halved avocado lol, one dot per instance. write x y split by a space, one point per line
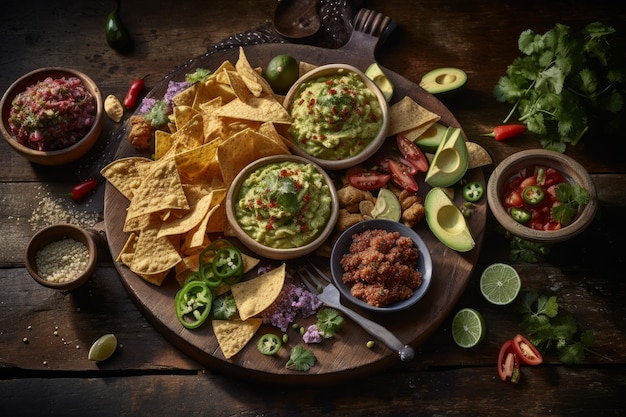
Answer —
450 161
443 80
376 74
429 141
447 222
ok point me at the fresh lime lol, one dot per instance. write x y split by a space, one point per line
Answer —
376 74
281 72
103 348
387 206
468 328
500 283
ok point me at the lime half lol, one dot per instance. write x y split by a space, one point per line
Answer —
468 328
103 348
500 283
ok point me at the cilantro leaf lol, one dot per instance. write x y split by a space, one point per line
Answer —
571 198
329 322
300 359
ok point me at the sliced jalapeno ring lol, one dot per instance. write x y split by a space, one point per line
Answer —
193 304
227 263
533 195
520 214
269 344
473 191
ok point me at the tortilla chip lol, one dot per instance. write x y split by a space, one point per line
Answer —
478 156
163 142
234 335
262 109
191 134
253 79
153 254
124 175
249 262
195 162
238 85
161 189
185 97
182 114
255 295
304 67
407 115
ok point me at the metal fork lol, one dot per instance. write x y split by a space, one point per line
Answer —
331 297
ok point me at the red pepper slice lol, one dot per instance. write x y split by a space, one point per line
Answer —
412 153
133 92
402 178
508 363
79 191
526 351
505 132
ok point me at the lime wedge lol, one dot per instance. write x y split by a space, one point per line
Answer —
387 206
468 328
500 283
377 75
103 348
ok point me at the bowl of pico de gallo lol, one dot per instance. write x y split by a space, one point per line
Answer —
542 196
52 115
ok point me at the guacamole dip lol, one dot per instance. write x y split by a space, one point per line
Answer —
284 204
335 117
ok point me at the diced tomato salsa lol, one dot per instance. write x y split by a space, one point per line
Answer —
540 213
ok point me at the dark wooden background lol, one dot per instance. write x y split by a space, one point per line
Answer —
50 375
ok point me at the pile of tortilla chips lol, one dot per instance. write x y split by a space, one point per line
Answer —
217 128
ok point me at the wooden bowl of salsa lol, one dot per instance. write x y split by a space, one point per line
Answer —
52 116
542 196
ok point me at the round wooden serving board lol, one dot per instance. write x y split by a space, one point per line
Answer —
346 355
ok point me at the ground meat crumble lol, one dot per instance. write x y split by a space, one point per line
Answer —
381 267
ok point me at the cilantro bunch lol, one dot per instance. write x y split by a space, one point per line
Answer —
565 84
548 329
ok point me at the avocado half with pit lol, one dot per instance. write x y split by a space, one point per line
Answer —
447 222
451 160
443 80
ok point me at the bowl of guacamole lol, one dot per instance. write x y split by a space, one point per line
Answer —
282 207
340 117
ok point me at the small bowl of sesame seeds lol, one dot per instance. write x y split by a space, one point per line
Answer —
61 256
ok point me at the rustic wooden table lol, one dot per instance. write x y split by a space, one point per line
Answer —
50 374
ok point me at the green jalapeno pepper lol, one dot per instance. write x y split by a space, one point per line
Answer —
473 191
269 344
193 304
228 265
533 195
116 34
520 214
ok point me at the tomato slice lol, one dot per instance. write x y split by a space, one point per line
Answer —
412 153
401 178
508 363
368 180
526 351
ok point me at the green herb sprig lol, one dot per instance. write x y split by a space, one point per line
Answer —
565 84
300 359
571 197
552 330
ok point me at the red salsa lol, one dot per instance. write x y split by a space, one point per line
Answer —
52 114
529 197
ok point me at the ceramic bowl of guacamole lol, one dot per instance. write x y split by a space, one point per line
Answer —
282 206
340 116
381 266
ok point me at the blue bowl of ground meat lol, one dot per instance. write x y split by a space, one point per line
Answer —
381 266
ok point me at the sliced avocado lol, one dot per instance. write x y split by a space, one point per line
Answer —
429 141
376 74
443 80
387 206
447 222
450 161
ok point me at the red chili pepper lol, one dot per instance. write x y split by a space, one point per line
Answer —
505 132
82 189
133 92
